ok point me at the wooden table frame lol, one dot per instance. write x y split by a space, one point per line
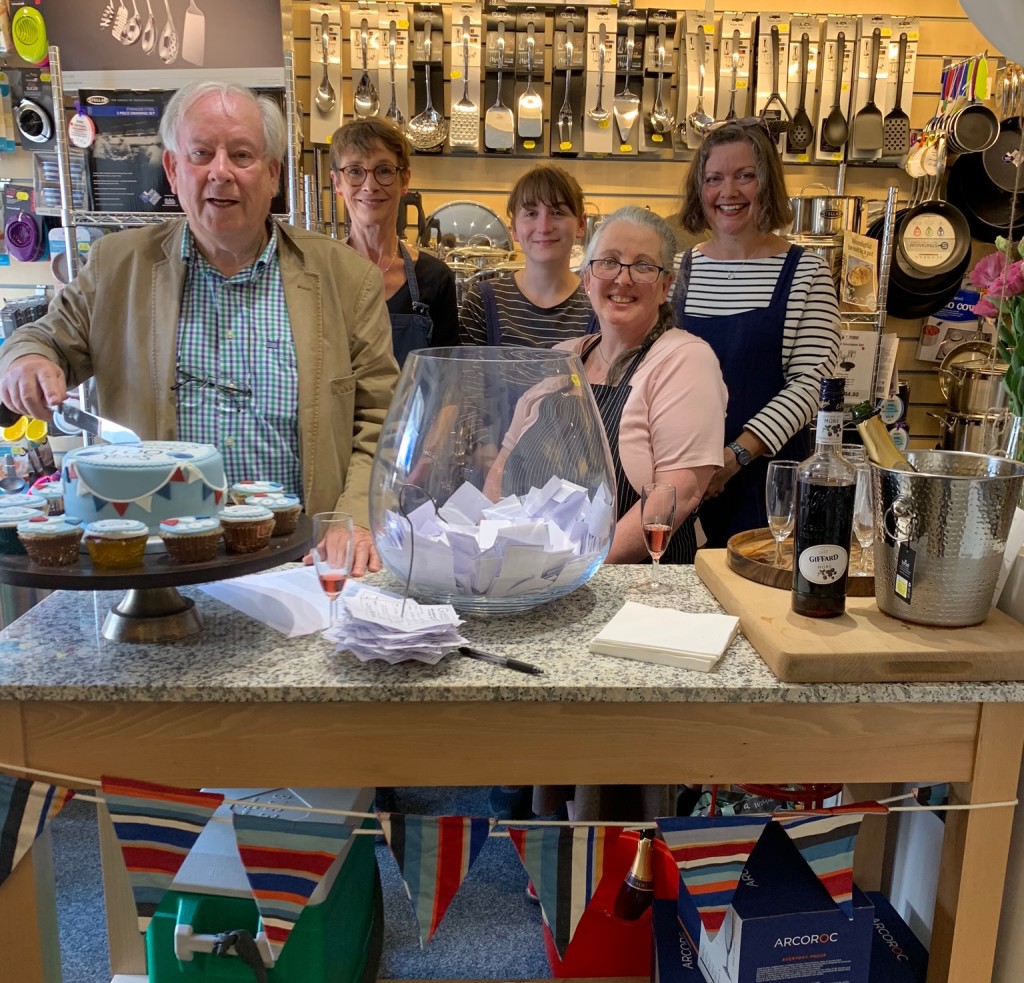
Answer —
977 747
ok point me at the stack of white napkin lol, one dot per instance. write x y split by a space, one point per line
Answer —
377 624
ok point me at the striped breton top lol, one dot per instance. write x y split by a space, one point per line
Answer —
810 340
522 322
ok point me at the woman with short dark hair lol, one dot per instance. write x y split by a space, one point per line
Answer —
767 308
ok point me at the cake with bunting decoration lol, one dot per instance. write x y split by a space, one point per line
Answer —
149 481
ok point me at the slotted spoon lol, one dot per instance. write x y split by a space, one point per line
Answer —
626 104
896 125
120 20
867 124
148 42
133 28
365 101
168 44
499 121
699 120
836 130
801 129
429 128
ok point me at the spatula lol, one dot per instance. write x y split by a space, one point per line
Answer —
801 129
531 109
465 119
626 105
499 121
835 131
867 124
193 38
896 125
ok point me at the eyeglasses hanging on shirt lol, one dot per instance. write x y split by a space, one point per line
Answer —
192 387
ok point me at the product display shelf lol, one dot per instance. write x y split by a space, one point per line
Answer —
153 610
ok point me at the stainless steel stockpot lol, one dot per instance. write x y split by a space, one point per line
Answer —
974 387
826 215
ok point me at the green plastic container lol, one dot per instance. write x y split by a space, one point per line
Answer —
337 939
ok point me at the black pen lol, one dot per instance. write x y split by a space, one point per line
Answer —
500 660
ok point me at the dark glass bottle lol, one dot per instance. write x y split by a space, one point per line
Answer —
636 892
824 514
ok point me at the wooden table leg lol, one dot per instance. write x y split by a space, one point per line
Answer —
974 852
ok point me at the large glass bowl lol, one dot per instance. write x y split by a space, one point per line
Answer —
492 488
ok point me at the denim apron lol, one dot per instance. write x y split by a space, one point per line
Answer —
749 350
410 331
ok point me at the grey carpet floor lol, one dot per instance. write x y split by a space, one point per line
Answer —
491 931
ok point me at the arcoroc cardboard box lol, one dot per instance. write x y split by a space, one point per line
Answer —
675 951
782 920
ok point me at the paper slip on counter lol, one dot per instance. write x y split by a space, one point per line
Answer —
863 645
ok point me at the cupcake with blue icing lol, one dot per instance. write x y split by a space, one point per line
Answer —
286 509
51 540
53 492
116 544
29 500
247 528
10 517
191 538
241 490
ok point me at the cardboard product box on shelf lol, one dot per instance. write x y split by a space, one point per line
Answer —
952 326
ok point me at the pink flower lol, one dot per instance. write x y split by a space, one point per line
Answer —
986 270
1009 283
984 308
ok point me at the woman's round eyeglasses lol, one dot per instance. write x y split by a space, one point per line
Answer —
383 174
639 272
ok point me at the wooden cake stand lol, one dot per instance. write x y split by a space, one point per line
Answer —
153 610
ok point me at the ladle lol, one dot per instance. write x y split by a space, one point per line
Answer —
836 130
429 128
11 482
325 97
365 101
699 120
661 119
599 114
394 113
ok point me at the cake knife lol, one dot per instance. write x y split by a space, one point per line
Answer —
70 418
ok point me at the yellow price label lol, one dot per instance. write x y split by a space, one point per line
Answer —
403 25
605 124
565 145
625 148
657 138
456 74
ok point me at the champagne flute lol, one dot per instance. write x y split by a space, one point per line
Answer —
780 499
332 554
863 514
657 518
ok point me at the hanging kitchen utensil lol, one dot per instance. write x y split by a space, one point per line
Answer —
734 75
12 483
779 120
699 120
565 113
499 121
661 119
120 20
393 112
867 124
365 101
148 42
133 28
801 128
626 104
530 107
599 114
325 97
193 41
167 47
836 131
896 125
428 129
465 125
107 17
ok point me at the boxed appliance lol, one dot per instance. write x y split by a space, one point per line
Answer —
782 920
338 936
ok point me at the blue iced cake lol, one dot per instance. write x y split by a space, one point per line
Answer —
149 481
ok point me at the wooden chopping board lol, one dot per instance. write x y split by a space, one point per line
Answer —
864 645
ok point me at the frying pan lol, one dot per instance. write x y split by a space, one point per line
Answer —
912 280
996 158
986 206
932 262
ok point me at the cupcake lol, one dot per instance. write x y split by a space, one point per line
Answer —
286 509
9 519
53 492
116 544
241 490
51 540
247 528
191 538
30 500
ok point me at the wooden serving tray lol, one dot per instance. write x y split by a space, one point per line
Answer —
751 554
864 645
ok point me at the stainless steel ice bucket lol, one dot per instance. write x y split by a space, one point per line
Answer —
951 518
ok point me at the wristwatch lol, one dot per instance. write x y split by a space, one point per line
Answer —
743 457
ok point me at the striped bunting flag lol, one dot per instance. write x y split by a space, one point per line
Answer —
156 826
26 807
565 864
826 839
711 852
285 860
434 854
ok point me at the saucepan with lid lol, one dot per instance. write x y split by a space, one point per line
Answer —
974 387
826 215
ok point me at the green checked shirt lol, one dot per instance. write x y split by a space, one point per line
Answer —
237 381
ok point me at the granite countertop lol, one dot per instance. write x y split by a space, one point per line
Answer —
55 652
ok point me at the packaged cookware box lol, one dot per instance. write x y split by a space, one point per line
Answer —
952 326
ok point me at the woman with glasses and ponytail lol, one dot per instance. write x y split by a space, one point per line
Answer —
370 170
767 308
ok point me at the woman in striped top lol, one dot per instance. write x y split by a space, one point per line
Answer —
544 302
767 308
